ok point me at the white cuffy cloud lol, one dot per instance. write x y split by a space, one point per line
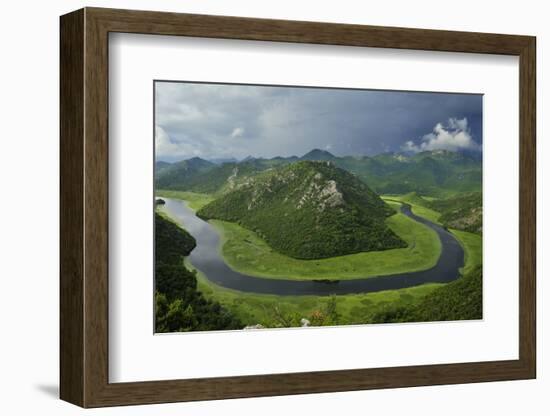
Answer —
455 135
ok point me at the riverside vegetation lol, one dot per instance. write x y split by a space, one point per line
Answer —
314 217
179 306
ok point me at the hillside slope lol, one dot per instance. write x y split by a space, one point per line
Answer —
179 306
462 212
459 300
180 174
437 173
308 210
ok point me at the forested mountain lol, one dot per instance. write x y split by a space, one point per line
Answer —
160 165
308 210
181 172
317 154
179 306
203 176
437 173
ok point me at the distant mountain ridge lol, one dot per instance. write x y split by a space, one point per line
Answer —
318 154
222 160
182 172
308 210
436 173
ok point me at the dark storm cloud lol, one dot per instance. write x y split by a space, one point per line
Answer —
215 121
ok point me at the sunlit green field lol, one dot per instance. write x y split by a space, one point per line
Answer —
195 200
416 208
286 311
472 245
283 311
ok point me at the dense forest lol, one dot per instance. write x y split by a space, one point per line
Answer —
459 300
309 210
179 306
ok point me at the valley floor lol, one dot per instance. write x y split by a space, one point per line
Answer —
273 311
245 252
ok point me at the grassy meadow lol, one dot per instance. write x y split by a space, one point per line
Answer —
273 311
195 200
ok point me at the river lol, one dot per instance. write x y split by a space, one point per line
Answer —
207 258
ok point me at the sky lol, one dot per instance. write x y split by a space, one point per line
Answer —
215 121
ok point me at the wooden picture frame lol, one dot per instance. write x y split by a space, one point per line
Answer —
84 207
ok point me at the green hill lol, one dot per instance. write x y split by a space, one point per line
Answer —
435 173
205 177
308 210
223 178
179 306
459 300
174 175
161 165
318 154
462 212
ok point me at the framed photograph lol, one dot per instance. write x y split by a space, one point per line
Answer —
255 207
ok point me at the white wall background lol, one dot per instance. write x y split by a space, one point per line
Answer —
29 161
